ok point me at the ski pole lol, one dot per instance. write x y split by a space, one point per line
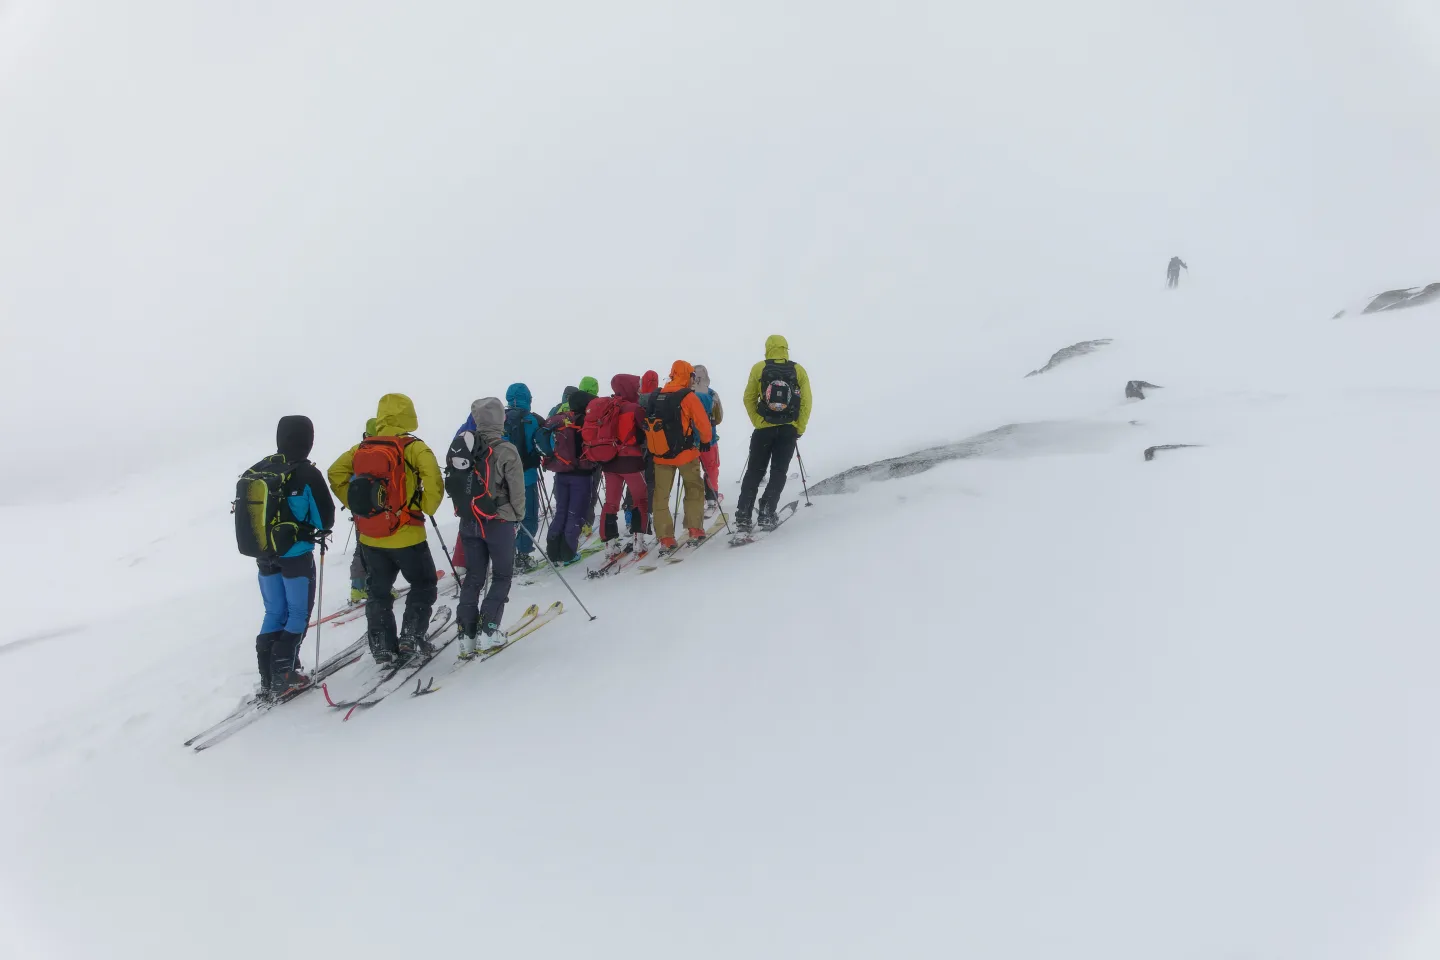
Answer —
803 484
319 605
448 559
547 559
349 535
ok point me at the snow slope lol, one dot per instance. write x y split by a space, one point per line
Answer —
1053 701
1056 702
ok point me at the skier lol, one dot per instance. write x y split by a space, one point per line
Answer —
1172 272
522 429
564 405
614 438
287 567
677 433
649 389
391 481
485 478
777 397
710 459
574 476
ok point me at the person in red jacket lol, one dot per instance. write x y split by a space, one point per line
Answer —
625 466
677 432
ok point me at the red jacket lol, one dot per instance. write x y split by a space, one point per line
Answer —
628 459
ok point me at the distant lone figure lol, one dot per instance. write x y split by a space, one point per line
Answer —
1172 272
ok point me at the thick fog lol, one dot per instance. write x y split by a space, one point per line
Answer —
218 213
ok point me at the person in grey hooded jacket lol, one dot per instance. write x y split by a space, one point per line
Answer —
489 541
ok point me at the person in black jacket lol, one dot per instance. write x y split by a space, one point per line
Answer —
287 581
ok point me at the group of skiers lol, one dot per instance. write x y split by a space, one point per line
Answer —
624 452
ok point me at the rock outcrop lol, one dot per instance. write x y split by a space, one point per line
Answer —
1074 350
1400 299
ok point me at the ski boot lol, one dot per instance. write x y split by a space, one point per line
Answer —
491 639
767 519
743 524
697 536
287 683
668 546
468 632
524 563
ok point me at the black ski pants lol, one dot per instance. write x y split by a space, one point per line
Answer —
770 448
491 546
382 566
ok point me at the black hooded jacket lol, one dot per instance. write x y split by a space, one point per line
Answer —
294 436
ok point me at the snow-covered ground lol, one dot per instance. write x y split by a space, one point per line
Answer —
1053 701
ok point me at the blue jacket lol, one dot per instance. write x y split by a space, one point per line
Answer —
306 506
518 398
708 400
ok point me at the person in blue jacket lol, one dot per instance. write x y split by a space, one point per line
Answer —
287 582
524 429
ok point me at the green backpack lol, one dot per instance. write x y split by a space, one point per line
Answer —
264 526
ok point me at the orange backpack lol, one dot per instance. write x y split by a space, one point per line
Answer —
377 490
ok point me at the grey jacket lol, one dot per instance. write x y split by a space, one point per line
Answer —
507 474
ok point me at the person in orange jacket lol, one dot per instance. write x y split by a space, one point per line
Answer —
677 432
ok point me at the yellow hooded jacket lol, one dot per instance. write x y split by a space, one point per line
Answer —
777 348
395 418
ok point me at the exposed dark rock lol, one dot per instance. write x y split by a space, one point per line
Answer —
1013 439
1135 389
1400 299
1151 451
1074 350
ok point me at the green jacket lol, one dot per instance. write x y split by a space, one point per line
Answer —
777 348
396 418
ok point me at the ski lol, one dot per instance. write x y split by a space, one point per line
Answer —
254 708
528 625
674 555
439 620
783 514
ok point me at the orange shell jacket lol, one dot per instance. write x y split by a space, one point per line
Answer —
693 418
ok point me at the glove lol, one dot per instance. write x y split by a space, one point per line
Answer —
704 448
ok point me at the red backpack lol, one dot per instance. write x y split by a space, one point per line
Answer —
610 430
377 493
567 444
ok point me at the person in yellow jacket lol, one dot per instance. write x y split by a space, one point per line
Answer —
391 481
777 398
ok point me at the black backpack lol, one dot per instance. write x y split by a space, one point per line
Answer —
264 526
665 435
467 478
515 432
779 392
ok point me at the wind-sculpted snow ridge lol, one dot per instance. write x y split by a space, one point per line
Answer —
1013 439
1400 299
1074 350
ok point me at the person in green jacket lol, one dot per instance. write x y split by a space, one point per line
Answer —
404 468
777 398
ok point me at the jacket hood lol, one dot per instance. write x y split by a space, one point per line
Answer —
395 416
294 436
518 396
680 374
590 385
626 386
579 400
650 382
489 417
777 347
370 426
700 379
